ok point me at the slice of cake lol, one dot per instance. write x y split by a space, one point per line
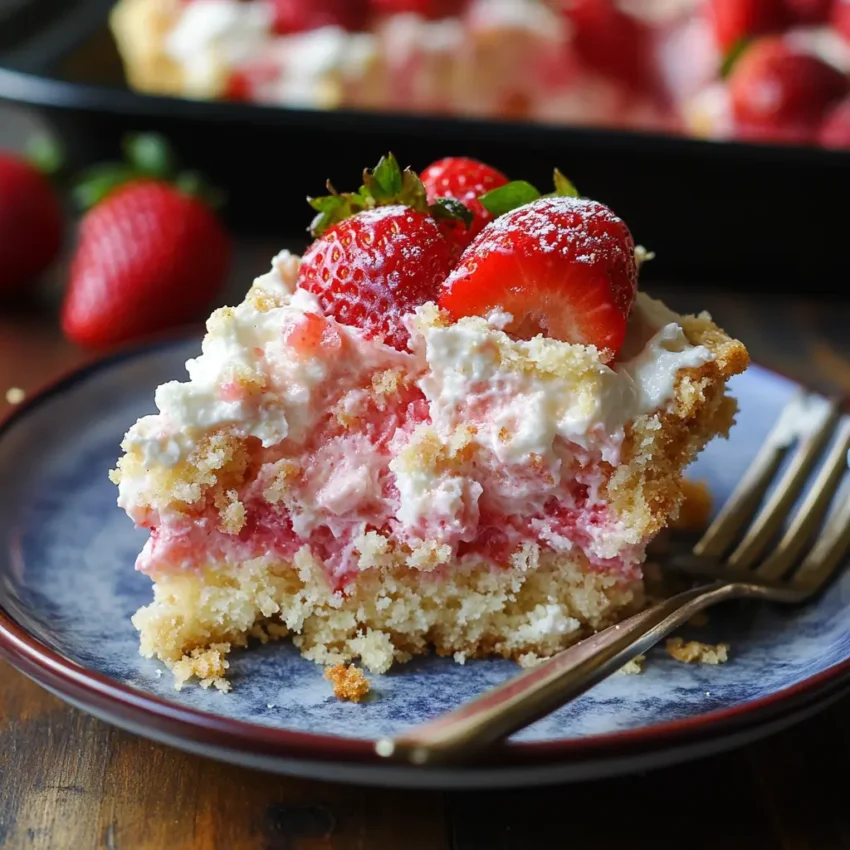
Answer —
454 424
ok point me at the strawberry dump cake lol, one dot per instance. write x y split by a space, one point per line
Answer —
696 67
455 424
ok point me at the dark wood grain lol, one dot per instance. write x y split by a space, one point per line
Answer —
70 782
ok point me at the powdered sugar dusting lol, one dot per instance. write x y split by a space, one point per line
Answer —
544 223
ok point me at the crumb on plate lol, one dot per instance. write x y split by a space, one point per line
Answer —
633 667
15 395
695 651
349 682
209 665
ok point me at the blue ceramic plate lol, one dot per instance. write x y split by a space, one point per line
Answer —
68 589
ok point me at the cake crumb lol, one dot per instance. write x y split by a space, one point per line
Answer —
349 682
15 395
633 667
696 507
695 651
209 665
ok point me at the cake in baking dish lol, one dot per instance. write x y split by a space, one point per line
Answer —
453 424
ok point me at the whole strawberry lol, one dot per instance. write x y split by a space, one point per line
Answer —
734 21
465 180
379 253
150 255
780 92
612 42
560 266
30 224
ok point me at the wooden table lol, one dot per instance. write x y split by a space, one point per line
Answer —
70 782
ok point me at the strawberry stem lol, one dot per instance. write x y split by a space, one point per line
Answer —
384 185
94 184
193 183
150 154
46 154
518 193
732 56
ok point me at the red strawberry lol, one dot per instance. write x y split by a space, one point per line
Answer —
243 82
433 9
773 86
465 180
611 41
809 11
736 20
560 266
372 269
30 224
840 18
835 130
291 16
149 257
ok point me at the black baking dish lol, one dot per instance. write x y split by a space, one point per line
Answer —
738 215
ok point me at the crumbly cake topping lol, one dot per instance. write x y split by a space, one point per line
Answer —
296 429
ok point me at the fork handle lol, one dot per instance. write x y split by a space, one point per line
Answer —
540 690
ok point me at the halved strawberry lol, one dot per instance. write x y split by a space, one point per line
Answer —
465 180
561 266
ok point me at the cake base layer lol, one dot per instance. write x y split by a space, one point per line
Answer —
533 608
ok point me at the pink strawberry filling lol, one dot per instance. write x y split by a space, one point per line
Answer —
342 486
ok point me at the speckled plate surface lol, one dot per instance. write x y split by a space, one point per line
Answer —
68 589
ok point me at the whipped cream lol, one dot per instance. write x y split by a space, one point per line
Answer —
316 65
531 412
477 373
251 377
213 36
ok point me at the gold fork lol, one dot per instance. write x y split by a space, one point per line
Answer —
731 555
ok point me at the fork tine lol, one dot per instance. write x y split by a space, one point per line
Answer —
828 552
812 511
745 499
788 488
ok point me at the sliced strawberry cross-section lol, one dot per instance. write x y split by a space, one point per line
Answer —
561 266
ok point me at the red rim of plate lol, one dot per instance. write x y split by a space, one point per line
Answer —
94 690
